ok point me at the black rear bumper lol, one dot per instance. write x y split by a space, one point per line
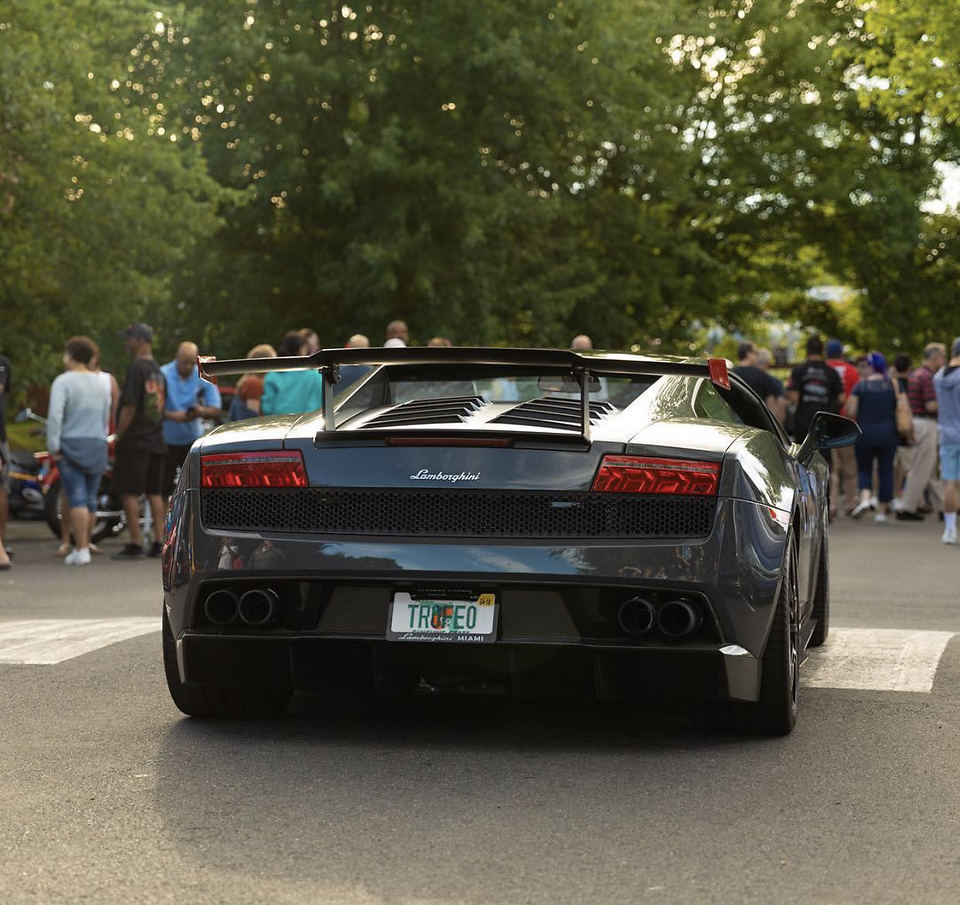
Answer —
343 667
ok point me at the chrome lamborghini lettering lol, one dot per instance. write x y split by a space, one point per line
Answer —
426 475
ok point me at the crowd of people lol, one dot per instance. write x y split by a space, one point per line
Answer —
909 418
153 418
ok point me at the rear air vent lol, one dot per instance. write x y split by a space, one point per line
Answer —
554 413
398 512
452 410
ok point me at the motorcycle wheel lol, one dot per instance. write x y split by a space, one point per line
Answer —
109 522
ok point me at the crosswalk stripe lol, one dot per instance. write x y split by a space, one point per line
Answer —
876 659
868 659
41 642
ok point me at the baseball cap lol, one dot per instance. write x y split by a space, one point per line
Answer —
138 331
834 348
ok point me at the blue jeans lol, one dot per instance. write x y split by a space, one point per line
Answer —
80 486
884 454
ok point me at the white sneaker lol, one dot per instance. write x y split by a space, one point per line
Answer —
860 508
78 558
949 536
879 517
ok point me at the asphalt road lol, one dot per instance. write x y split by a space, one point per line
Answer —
107 794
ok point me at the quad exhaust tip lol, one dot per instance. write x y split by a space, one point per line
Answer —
220 607
636 616
257 607
676 619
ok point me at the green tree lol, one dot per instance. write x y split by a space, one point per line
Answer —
96 207
914 60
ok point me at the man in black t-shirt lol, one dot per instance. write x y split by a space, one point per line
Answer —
141 452
762 383
4 458
814 387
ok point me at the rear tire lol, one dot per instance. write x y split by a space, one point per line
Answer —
51 509
210 702
776 711
821 599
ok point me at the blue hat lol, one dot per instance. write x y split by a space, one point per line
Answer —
877 362
834 348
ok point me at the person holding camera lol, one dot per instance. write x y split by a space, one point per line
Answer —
189 399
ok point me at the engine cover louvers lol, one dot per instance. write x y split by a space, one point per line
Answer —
452 410
554 413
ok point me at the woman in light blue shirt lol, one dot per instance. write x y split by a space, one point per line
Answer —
77 425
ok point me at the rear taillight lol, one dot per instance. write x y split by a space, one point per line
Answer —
639 474
282 468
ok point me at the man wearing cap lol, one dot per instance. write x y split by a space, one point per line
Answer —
189 398
843 471
140 452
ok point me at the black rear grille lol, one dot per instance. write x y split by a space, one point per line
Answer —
563 413
456 513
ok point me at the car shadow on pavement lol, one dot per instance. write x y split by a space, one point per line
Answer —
421 800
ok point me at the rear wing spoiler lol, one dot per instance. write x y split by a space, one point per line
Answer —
562 361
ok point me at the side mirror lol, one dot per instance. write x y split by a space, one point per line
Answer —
828 431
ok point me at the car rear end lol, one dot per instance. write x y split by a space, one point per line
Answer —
497 554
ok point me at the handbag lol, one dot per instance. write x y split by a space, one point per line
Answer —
904 415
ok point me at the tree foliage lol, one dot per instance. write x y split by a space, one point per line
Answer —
914 58
90 192
495 172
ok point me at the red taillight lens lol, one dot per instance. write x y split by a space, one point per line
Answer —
283 468
638 474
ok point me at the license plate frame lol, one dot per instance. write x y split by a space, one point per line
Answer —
454 612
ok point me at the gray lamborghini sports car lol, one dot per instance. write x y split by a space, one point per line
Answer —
501 521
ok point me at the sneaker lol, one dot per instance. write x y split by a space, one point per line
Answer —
905 515
156 548
860 508
129 551
897 504
77 558
950 536
880 517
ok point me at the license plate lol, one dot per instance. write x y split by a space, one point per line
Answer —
472 621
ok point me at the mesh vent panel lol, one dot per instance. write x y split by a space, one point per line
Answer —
456 513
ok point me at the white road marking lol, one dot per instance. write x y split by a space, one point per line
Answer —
40 642
871 659
876 659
